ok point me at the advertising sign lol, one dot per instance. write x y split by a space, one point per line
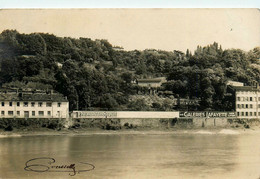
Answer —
209 114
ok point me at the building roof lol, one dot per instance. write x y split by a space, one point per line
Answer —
151 80
31 96
245 88
234 83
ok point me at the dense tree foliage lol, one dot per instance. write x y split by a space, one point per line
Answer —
92 74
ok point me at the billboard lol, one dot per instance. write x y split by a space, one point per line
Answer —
126 114
208 114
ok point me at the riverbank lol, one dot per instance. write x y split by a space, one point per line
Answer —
122 126
96 131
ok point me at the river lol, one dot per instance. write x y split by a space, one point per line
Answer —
185 154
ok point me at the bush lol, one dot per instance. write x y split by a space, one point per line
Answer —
9 128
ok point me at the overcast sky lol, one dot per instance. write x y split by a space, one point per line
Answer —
166 29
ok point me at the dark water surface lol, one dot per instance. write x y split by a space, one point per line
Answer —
176 155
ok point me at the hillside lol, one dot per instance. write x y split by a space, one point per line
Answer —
95 75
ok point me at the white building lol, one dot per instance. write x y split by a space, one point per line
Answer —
151 82
247 101
29 104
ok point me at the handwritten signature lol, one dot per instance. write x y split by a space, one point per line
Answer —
46 164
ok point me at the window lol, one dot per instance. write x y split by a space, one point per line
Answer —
40 104
246 113
238 105
258 98
237 113
10 103
18 103
3 103
25 104
49 113
58 113
246 105
41 113
258 105
32 104
251 114
10 113
48 104
33 113
26 113
254 113
18 113
251 105
59 104
251 99
2 113
238 98
242 105
242 114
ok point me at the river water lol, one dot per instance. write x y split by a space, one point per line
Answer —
186 154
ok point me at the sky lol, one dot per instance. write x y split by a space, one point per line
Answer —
164 29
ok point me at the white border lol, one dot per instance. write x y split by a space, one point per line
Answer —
129 4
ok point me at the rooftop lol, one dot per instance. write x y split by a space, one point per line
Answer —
234 83
152 80
20 95
245 88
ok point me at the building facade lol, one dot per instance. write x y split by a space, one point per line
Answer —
151 83
32 104
247 101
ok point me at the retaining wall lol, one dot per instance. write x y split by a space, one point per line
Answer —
130 123
164 123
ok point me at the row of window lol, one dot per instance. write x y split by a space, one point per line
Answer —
26 113
246 106
248 98
26 104
247 113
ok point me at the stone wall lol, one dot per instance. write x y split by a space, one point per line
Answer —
181 123
116 124
210 122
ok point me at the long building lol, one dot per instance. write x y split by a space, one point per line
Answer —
32 104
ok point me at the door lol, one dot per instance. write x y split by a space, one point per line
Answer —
26 114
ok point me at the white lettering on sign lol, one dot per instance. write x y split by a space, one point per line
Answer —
192 114
96 114
207 114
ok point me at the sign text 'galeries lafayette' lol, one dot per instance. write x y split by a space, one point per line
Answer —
207 114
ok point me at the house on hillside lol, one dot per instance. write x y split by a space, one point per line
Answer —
152 84
16 103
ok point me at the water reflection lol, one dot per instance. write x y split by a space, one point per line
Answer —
137 156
